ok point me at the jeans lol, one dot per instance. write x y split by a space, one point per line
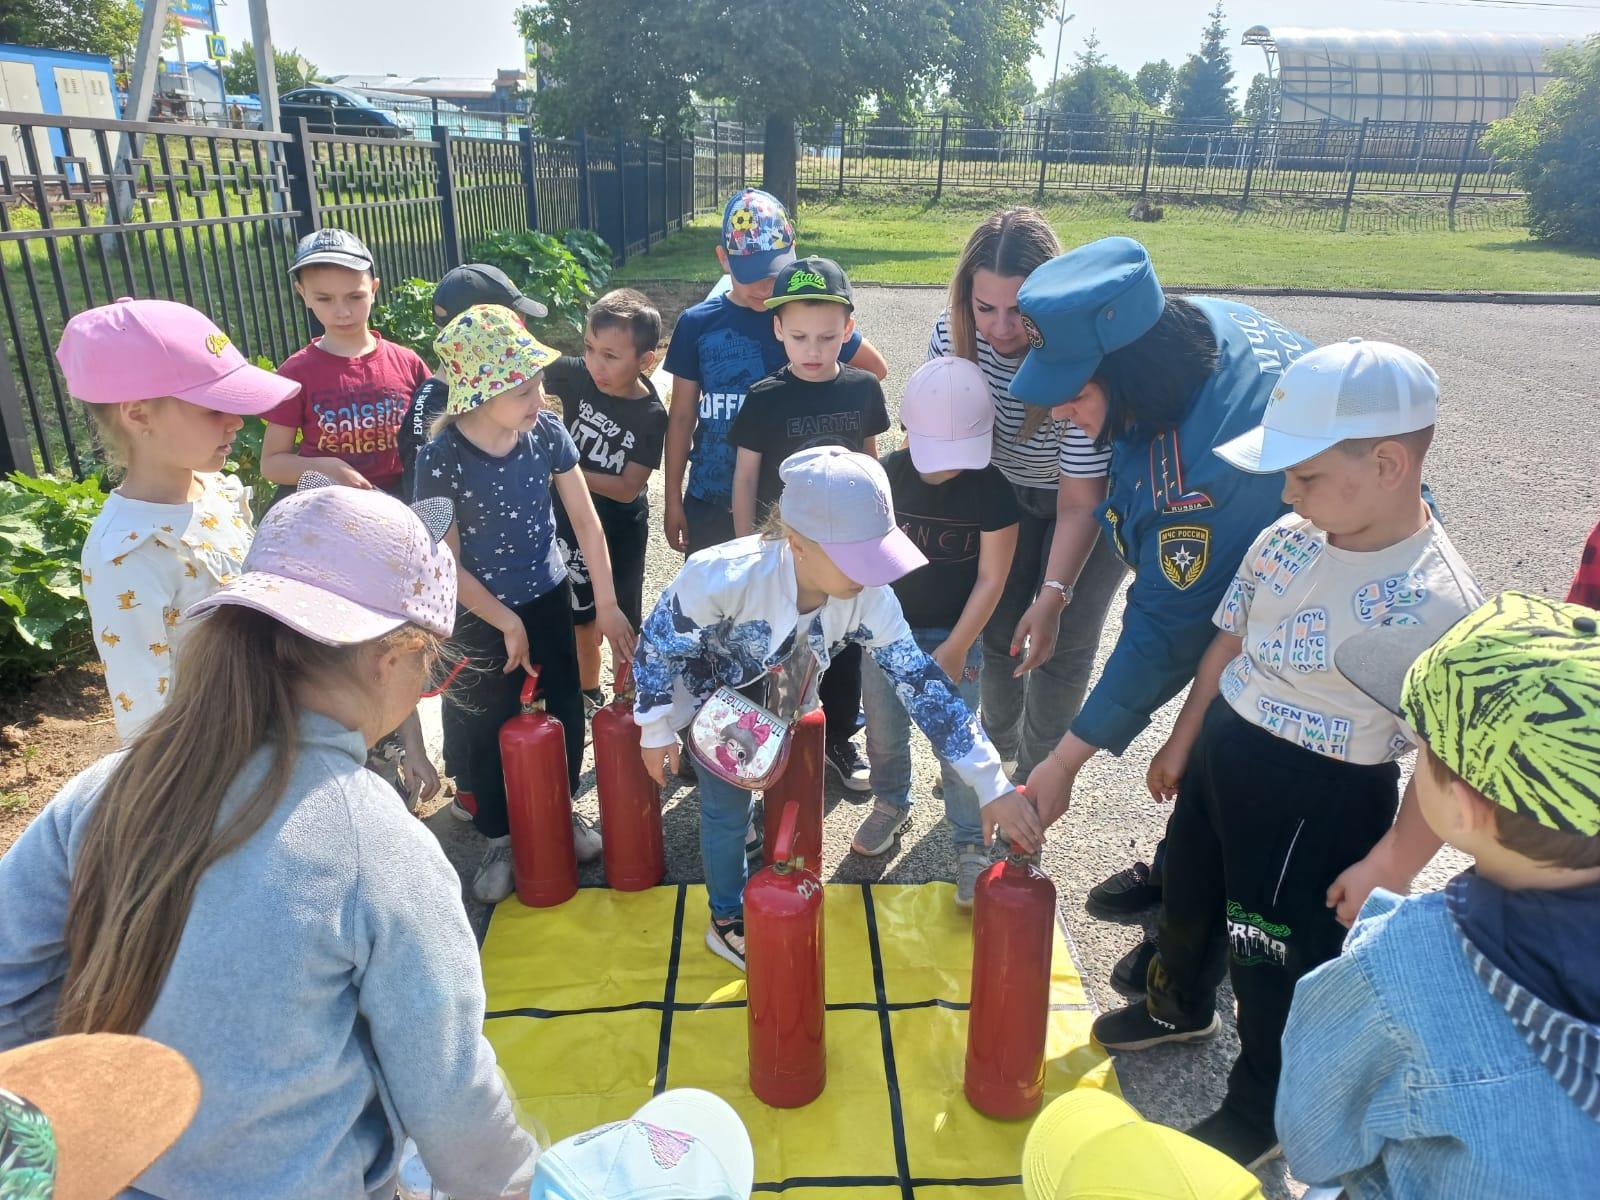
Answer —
889 740
724 816
1026 717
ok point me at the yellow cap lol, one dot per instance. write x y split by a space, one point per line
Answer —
1091 1145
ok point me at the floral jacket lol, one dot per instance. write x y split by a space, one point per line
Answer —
732 615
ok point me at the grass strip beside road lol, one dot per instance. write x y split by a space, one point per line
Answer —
1388 247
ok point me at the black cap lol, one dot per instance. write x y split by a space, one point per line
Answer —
812 279
479 283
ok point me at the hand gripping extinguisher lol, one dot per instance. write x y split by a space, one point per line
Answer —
630 804
1013 923
800 782
533 755
783 962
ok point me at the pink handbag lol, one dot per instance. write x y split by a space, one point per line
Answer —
745 743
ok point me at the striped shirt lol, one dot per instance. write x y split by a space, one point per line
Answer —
1057 448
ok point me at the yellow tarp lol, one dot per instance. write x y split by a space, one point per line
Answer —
597 1004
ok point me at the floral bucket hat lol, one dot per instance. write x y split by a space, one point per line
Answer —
486 351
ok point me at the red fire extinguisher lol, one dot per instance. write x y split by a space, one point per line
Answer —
630 803
533 755
801 782
783 960
1013 923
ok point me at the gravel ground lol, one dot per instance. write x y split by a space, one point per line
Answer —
1517 396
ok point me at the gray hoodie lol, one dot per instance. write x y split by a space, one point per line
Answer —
326 989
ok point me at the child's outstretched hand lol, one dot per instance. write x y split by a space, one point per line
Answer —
659 760
614 626
340 471
1014 816
1166 770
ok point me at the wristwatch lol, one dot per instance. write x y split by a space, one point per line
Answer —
1056 585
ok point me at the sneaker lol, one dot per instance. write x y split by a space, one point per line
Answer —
725 939
593 701
464 806
585 839
971 861
1241 1141
495 880
884 824
1133 968
846 762
1129 891
1133 1028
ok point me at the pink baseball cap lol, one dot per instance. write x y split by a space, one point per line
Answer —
344 565
143 349
840 500
949 415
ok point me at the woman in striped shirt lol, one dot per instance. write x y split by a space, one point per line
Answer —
1038 648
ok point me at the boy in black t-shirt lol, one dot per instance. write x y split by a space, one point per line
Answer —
619 424
813 401
960 511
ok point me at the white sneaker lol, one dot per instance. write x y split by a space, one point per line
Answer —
458 811
585 839
495 879
726 941
971 861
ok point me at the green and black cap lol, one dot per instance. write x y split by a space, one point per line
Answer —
812 279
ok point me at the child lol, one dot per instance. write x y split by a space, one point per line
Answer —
167 392
499 456
355 386
958 510
1453 1049
1285 774
719 348
237 886
618 423
812 584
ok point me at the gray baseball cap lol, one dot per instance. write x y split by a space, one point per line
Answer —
331 247
840 500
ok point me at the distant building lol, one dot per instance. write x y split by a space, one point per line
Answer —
1344 75
475 94
61 82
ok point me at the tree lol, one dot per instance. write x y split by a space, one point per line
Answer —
1203 89
109 27
1094 87
1154 81
291 67
1552 142
1258 100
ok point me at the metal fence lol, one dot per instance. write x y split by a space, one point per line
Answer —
1133 156
92 210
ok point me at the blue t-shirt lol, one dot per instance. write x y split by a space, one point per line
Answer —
724 347
503 509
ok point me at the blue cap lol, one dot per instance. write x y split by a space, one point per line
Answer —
757 234
1076 309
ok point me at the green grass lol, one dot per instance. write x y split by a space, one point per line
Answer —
1390 245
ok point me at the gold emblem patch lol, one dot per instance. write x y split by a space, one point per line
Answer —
1035 338
217 343
1184 551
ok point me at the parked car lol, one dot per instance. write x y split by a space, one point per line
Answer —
338 110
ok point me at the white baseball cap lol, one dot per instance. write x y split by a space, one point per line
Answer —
840 500
948 415
1350 389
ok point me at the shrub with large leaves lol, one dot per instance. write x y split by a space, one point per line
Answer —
546 268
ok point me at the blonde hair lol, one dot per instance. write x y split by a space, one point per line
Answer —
442 422
153 830
773 527
112 434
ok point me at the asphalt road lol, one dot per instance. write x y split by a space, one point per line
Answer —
1513 475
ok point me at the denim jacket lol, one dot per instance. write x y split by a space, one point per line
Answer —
1403 1076
732 614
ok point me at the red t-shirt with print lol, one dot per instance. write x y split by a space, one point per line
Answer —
351 408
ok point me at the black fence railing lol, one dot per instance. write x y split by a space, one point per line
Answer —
1058 153
91 210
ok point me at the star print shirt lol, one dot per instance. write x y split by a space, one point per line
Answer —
503 506
732 615
143 565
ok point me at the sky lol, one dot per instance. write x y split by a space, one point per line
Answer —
474 37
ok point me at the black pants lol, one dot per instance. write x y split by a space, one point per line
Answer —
483 698
710 522
840 694
1260 830
627 530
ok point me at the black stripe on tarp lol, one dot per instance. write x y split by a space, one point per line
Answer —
827 1181
897 1121
664 1048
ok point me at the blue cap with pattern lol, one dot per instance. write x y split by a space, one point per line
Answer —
757 234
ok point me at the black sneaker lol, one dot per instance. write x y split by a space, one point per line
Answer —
1245 1143
845 761
1129 975
1133 1028
1129 891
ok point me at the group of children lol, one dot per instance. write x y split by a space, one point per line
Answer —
1351 633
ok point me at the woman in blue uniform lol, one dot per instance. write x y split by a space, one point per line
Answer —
1161 380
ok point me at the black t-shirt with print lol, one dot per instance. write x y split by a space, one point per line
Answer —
946 521
783 413
610 432
427 406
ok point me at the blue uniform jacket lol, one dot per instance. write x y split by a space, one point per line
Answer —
1182 518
